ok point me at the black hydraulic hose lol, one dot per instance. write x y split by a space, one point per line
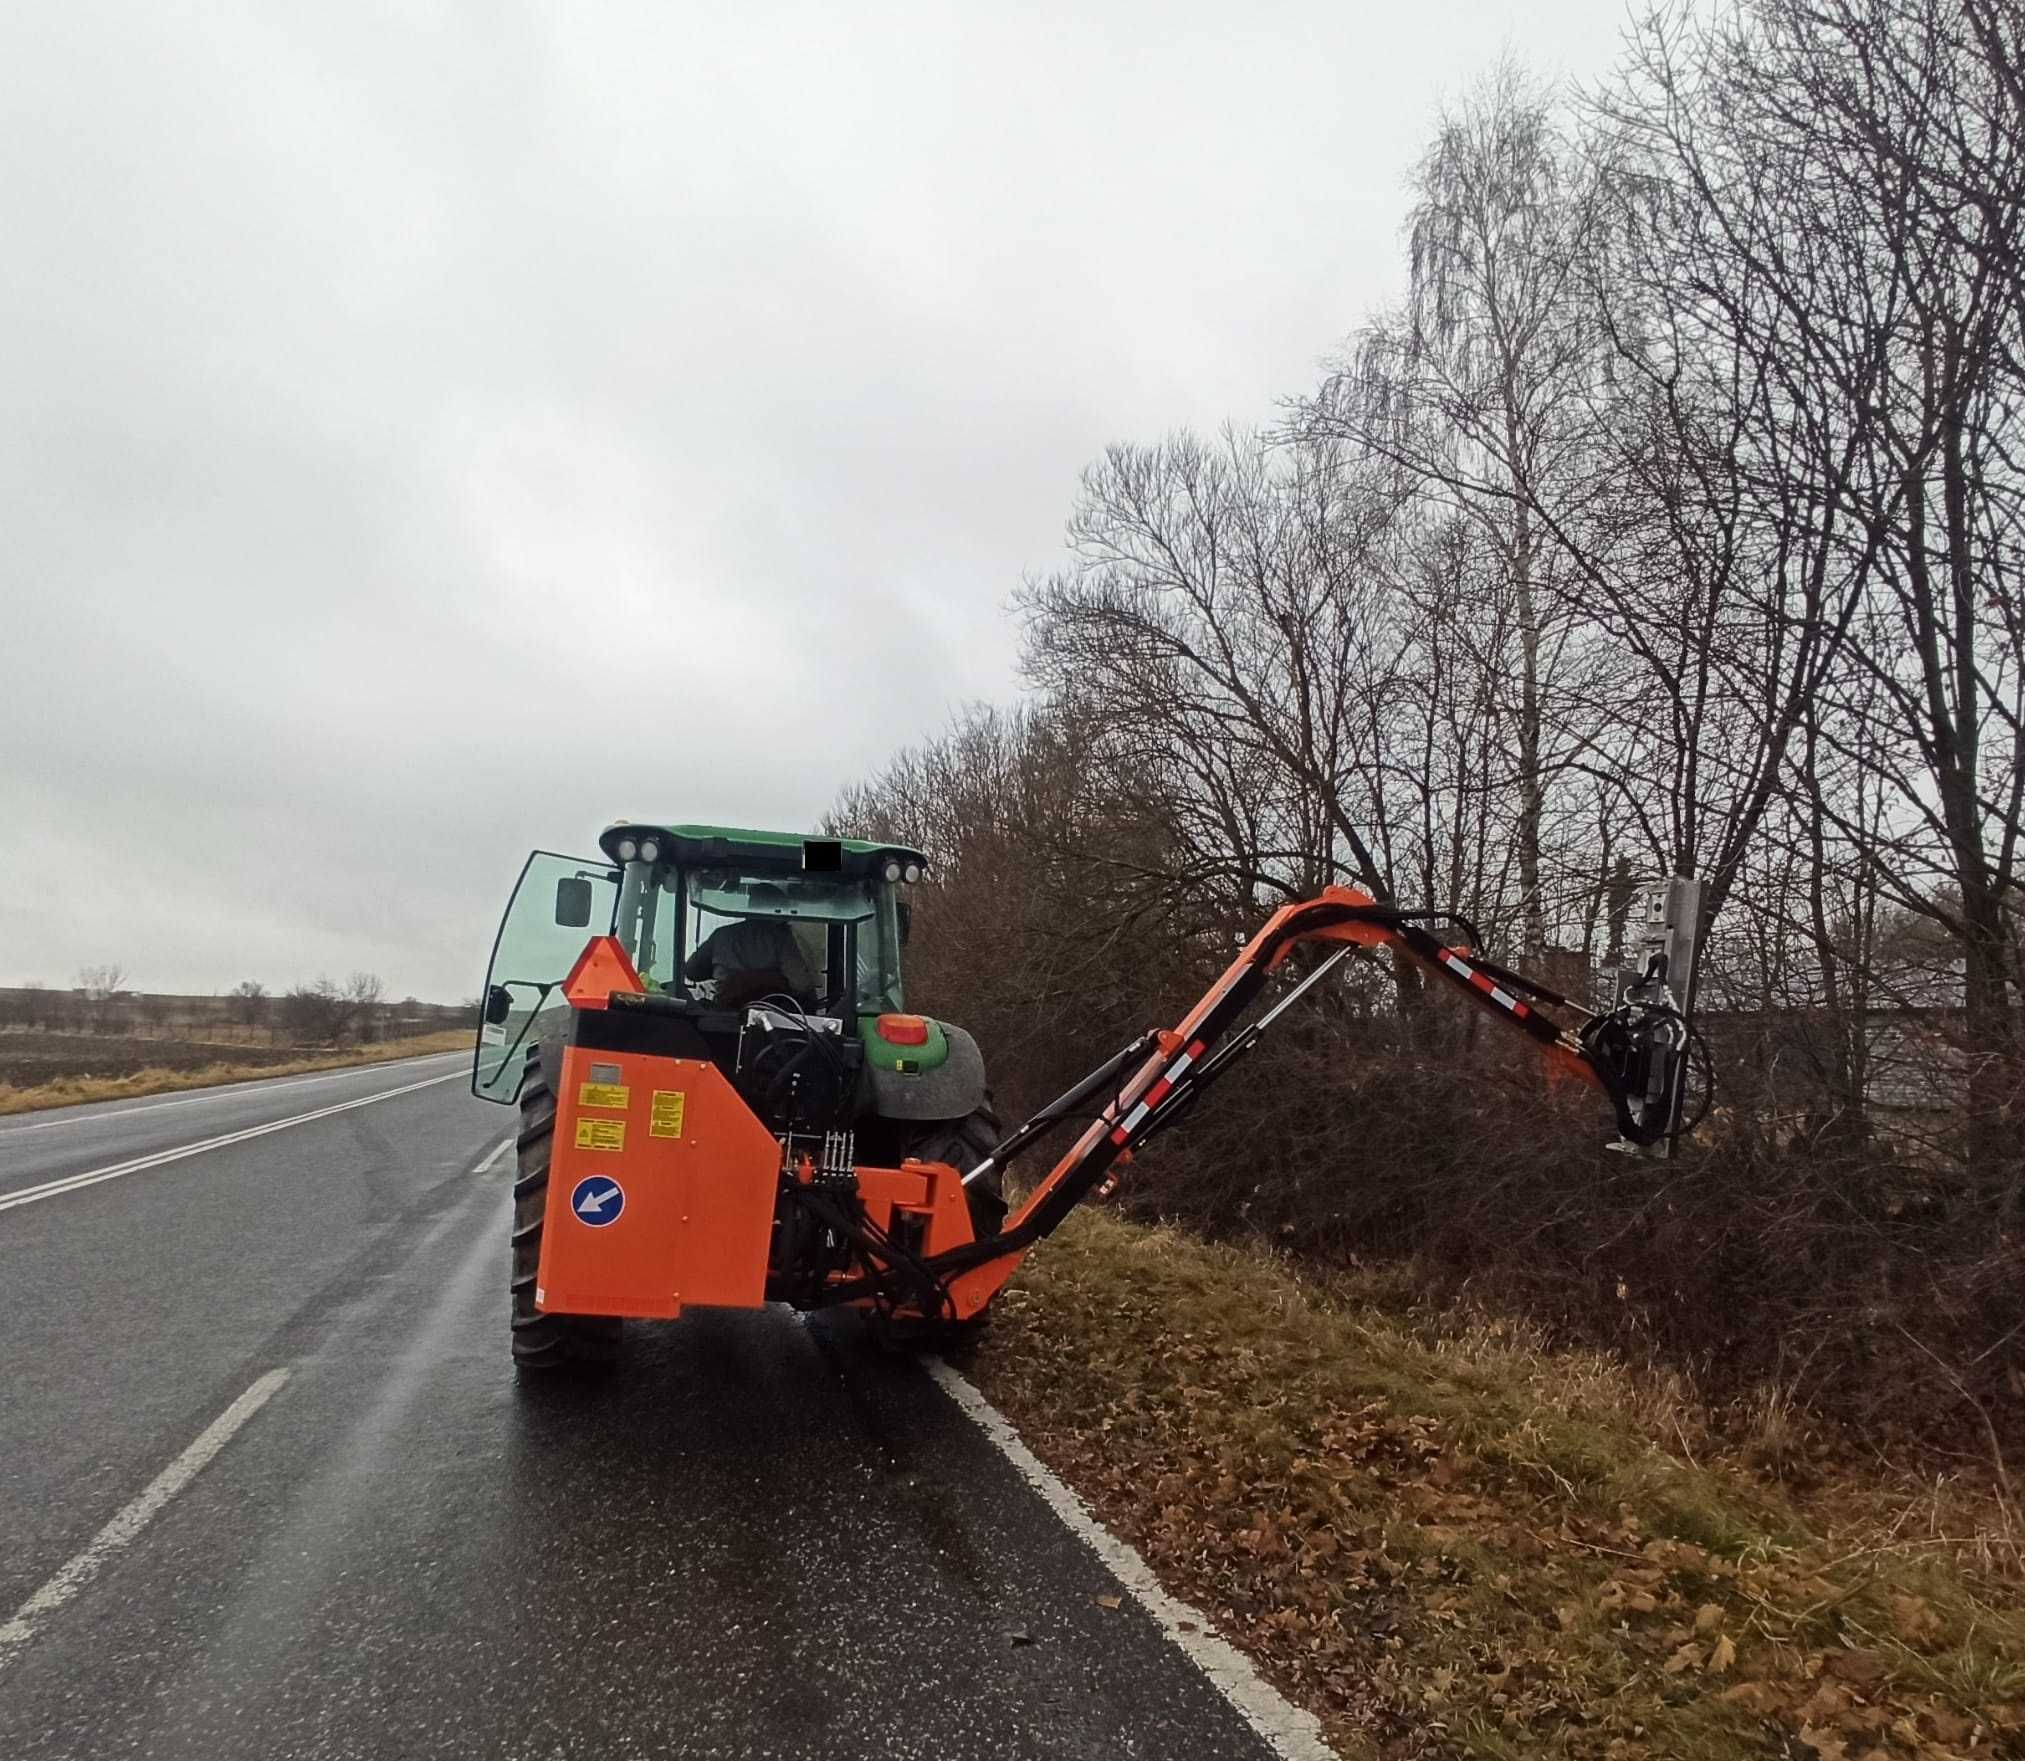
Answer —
1060 1109
1076 1185
1696 1041
876 1248
1519 982
1471 933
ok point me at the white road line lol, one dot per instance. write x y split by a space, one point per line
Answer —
499 1149
76 1182
78 1116
1286 1729
79 1570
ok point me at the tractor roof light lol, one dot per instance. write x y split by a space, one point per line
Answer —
628 849
903 1030
650 851
911 873
892 869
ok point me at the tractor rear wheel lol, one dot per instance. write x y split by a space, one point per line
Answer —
544 1342
963 1143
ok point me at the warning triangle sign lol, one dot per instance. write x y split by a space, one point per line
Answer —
601 969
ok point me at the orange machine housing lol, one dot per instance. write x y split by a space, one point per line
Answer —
698 1172
700 1175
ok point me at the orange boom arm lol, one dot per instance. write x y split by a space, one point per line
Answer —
1630 1054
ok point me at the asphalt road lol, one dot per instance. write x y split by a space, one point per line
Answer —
268 1488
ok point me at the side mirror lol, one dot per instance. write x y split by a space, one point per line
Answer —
906 913
573 902
497 1003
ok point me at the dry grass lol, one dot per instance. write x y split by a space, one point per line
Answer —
72 1091
1445 1539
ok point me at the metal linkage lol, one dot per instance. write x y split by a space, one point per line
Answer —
1062 1108
1632 1054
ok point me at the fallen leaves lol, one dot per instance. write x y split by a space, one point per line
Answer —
1915 1622
1755 1697
1417 1558
1858 1665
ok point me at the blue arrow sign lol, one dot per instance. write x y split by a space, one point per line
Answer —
597 1200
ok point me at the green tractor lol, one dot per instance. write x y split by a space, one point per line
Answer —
724 1101
748 986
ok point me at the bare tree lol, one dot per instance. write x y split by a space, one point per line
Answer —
1474 391
327 1013
1050 912
1832 194
102 984
1676 521
249 1002
1220 622
103 996
364 997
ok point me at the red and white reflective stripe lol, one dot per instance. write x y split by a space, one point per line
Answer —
1172 1074
1161 1088
1484 983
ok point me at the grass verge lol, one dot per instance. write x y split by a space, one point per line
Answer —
1458 1543
72 1091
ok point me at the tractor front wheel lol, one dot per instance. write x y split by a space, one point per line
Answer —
543 1343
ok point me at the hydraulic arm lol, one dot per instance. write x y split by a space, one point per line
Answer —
662 1168
1631 1054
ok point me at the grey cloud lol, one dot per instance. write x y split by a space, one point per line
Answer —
430 432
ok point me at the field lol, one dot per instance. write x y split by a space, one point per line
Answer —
29 1058
41 1069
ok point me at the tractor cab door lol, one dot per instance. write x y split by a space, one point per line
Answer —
558 904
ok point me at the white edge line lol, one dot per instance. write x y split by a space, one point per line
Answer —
499 1149
1285 1727
83 1115
84 1565
92 1176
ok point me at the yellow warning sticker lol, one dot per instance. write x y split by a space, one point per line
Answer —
666 1120
601 1134
603 1094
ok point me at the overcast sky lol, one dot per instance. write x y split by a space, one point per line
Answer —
428 432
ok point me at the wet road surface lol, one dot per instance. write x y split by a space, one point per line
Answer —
760 1537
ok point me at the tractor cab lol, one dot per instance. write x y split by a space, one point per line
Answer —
736 925
736 938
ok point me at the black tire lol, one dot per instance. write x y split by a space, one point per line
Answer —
545 1343
963 1143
